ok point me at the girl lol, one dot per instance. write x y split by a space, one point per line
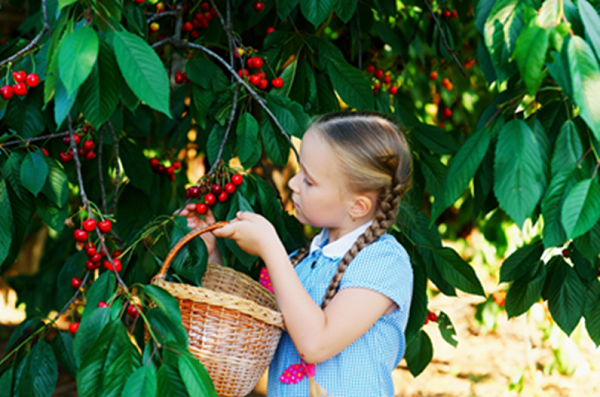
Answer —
345 296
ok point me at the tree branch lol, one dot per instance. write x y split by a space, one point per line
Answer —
117 167
37 138
154 17
450 51
231 117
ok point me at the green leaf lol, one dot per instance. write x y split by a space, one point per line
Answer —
117 373
526 291
419 353
56 187
585 75
62 345
433 171
288 75
521 262
165 329
501 30
142 383
567 149
164 301
344 9
435 139
351 85
581 209
289 114
89 330
63 102
592 324
169 382
530 54
51 214
143 70
136 165
190 262
18 332
34 171
552 203
40 373
206 74
101 291
284 7
77 57
25 116
316 11
277 147
11 170
418 303
447 329
92 370
98 96
6 221
202 99
249 148
566 297
461 170
456 271
195 377
591 21
519 172
64 3
6 382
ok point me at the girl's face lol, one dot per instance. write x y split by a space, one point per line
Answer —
319 193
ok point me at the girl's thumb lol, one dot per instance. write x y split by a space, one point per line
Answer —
223 232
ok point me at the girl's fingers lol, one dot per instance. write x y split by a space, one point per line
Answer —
191 207
184 212
210 217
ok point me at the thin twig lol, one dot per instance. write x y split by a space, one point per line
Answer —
117 167
261 101
37 138
87 275
154 17
231 117
100 176
444 42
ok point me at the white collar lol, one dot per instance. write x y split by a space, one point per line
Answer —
339 247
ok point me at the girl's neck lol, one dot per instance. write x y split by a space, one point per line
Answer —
339 232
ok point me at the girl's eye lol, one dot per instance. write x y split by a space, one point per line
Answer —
307 182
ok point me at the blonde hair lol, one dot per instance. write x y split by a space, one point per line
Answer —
375 157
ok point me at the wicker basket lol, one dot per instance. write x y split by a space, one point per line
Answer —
232 322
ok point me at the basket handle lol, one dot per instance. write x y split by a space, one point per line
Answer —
184 240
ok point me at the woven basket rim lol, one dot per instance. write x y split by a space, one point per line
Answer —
230 301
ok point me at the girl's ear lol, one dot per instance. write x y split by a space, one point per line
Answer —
363 203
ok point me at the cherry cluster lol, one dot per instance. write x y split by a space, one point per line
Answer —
383 77
258 79
19 88
217 192
160 169
446 83
181 77
86 150
431 316
201 20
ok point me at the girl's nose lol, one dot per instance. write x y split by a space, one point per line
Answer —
292 183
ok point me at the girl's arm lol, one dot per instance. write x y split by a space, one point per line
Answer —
318 334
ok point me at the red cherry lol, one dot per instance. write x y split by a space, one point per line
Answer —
32 80
179 77
447 14
107 265
105 226
171 177
255 63
73 327
201 208
139 1
237 179
96 257
432 316
89 225
89 145
229 188
370 69
565 253
216 189
19 76
154 162
177 165
387 79
426 321
75 282
194 192
197 22
132 311
454 14
89 265
45 151
270 29
209 199
442 126
393 90
277 83
255 79
213 12
205 24
67 140
81 152
102 304
90 156
208 16
433 76
188 27
446 113
6 92
90 249
20 89
263 84
195 34
80 235
259 6
243 72
378 73
205 6
116 253
223 197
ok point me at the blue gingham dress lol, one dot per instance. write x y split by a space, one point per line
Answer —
365 367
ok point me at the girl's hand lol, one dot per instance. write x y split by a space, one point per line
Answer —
194 221
252 232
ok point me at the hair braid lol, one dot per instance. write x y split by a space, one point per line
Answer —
301 253
384 219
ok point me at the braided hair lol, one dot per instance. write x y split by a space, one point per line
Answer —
374 156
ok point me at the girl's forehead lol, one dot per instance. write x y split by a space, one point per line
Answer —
315 152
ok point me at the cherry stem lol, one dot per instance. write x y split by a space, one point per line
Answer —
117 166
444 42
584 156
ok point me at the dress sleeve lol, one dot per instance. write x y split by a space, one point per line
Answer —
383 266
